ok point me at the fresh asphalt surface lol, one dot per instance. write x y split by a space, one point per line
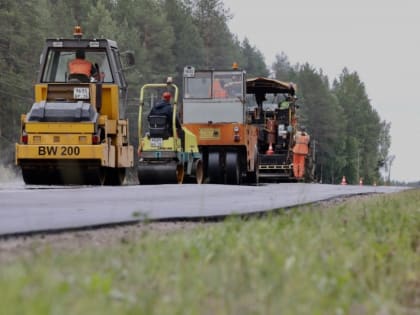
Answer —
25 209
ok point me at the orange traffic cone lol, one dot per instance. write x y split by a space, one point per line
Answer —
344 181
270 149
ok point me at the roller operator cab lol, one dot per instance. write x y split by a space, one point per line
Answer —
245 128
76 131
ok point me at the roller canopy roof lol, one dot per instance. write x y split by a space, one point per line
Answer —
265 85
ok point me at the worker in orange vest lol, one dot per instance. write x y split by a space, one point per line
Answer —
218 90
300 151
81 68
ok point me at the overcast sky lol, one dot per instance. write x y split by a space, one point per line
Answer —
379 39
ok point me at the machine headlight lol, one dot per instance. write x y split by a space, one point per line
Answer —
236 136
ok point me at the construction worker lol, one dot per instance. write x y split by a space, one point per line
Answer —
80 68
300 151
218 90
284 104
260 98
164 107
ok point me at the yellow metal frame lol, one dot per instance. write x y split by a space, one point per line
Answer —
59 139
63 152
157 85
59 127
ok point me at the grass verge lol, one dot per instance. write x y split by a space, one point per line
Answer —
359 257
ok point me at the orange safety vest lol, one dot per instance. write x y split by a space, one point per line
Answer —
302 144
218 91
80 66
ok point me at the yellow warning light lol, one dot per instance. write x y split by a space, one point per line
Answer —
77 31
235 66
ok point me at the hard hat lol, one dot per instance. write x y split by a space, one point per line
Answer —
166 96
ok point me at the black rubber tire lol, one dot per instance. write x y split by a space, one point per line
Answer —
233 171
94 176
114 176
63 173
199 171
180 173
34 177
160 173
214 168
257 172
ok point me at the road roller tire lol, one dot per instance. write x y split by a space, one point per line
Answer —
66 174
180 173
114 176
214 168
34 177
155 173
93 176
233 172
199 171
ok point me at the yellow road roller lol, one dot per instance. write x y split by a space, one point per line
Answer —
75 131
167 154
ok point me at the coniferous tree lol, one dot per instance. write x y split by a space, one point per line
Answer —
188 47
100 23
146 31
211 17
364 128
64 15
384 145
253 60
282 69
19 56
323 117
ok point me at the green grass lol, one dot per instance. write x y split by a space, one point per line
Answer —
360 257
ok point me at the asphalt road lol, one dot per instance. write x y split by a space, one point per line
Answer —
29 208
